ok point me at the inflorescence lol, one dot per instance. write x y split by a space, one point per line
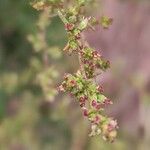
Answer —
82 85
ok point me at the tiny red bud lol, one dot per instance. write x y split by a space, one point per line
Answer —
85 112
82 104
100 89
78 36
69 26
73 82
82 101
97 120
94 103
96 54
99 106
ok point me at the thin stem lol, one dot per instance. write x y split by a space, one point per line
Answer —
61 16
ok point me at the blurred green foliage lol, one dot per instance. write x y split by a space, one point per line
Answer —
26 120
13 45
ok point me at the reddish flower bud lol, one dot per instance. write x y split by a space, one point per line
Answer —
73 82
82 101
96 54
100 89
85 112
99 106
86 98
97 120
94 103
78 36
69 26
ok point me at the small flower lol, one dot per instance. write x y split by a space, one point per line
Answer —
69 26
96 120
100 89
94 103
85 112
82 101
96 54
112 125
73 83
99 106
78 36
107 101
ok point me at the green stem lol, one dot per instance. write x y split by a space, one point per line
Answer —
61 16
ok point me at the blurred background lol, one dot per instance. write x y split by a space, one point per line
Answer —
29 121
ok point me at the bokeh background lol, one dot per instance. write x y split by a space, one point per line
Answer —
29 122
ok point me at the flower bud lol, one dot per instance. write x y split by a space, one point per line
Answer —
99 106
94 103
96 120
85 112
100 89
72 83
69 26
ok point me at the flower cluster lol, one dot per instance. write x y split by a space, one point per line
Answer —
74 25
92 61
81 84
92 102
